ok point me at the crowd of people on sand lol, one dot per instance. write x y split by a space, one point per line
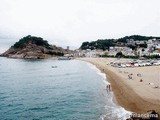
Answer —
138 76
130 75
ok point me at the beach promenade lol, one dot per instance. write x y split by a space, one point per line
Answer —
138 94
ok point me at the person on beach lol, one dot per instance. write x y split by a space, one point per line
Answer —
108 87
138 74
141 80
129 77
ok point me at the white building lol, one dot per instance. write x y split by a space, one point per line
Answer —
124 50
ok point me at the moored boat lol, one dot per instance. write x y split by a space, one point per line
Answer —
64 58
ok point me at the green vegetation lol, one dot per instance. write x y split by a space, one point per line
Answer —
122 56
119 54
99 44
104 44
30 39
132 57
151 56
136 37
55 53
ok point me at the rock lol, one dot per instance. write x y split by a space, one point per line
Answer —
149 115
33 47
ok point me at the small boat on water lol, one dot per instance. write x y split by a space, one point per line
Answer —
54 66
64 58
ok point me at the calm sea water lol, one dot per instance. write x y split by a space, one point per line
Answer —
75 90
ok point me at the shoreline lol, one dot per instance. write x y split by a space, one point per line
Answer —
124 93
123 113
133 96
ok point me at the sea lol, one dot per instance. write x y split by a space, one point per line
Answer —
55 90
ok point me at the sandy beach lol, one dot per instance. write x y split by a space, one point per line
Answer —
132 94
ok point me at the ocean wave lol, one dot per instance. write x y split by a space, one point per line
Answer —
115 111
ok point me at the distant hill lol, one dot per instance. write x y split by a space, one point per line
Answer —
104 44
136 37
33 47
22 43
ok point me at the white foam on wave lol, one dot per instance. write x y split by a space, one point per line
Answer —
97 70
122 113
93 67
116 111
117 114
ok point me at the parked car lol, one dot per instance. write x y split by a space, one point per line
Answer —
148 64
156 63
141 64
136 65
123 65
128 65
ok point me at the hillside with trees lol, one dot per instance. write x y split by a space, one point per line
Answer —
104 44
33 47
30 39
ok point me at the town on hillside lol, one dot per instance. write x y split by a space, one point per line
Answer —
134 46
127 47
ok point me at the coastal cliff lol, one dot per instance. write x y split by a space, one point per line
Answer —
33 47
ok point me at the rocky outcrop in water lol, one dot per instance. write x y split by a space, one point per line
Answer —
33 47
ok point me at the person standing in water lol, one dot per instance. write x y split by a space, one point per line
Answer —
108 87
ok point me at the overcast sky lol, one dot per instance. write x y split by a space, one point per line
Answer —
71 22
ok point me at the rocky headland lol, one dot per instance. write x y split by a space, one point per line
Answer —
34 47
